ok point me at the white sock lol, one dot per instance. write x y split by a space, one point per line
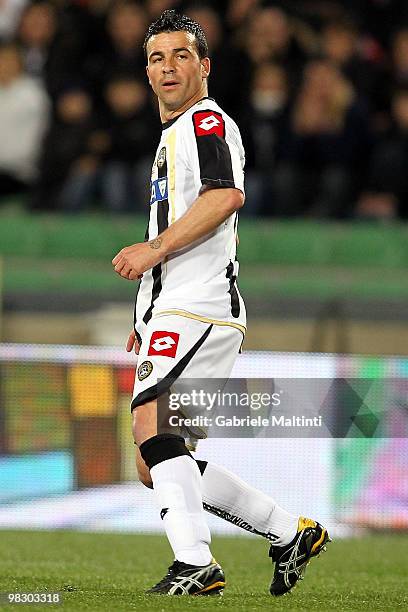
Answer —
177 484
229 497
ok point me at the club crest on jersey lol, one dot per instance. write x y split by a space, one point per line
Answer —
164 343
208 122
144 370
159 190
161 158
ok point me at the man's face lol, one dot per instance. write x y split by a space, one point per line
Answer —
175 71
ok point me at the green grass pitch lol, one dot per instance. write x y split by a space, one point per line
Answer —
110 572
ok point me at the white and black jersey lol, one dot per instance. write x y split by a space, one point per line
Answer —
202 147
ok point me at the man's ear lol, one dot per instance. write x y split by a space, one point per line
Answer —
205 67
147 72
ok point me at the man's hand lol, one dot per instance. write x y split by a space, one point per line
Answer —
133 260
132 343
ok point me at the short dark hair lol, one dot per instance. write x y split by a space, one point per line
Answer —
170 21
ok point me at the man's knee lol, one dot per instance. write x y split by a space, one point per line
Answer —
162 447
146 481
144 476
144 422
143 471
155 450
143 426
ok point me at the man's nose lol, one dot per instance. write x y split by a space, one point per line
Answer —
168 66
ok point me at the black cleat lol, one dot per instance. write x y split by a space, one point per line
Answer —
291 560
184 579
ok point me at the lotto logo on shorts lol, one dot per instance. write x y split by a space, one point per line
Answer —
163 343
208 122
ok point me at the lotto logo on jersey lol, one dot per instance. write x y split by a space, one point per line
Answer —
163 343
208 122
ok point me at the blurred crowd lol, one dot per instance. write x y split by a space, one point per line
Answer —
318 88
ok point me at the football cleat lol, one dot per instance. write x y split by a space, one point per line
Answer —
291 560
184 579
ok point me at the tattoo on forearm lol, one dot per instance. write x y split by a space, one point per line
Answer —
156 243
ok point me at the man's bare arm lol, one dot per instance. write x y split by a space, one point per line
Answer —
208 211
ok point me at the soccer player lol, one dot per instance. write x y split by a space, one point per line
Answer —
190 318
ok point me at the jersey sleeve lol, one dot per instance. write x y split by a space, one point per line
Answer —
217 152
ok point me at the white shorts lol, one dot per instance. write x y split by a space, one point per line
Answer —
176 348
